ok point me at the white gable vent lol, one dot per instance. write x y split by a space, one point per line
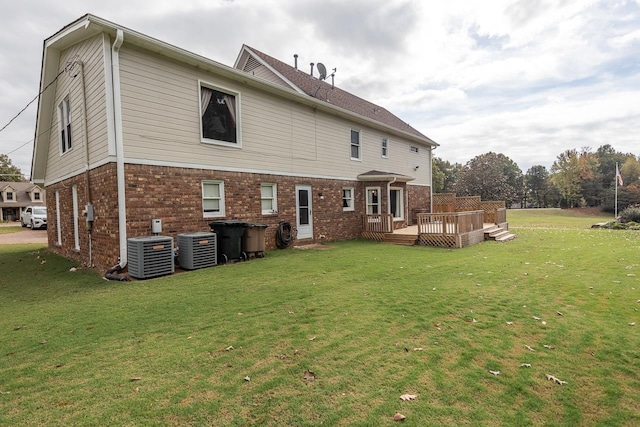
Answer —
150 256
197 250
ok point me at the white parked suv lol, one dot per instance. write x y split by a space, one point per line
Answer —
34 217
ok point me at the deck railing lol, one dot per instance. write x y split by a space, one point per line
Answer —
451 223
380 223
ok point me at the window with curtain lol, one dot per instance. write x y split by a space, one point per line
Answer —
219 115
347 199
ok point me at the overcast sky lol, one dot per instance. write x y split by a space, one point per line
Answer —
526 78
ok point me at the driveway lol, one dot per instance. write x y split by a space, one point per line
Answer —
26 235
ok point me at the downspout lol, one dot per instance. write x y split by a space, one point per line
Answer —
389 200
117 106
87 191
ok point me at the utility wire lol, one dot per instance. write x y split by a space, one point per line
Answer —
32 101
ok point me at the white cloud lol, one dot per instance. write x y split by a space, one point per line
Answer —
528 78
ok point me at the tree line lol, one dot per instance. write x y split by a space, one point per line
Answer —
576 179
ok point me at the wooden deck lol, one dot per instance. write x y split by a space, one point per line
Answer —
450 229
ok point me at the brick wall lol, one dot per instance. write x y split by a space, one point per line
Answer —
174 195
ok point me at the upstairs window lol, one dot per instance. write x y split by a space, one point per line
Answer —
219 116
9 196
355 145
347 199
36 196
212 199
268 194
385 147
414 149
64 123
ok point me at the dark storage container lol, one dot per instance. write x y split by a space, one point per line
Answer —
229 237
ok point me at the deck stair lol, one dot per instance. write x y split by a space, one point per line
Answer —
400 239
499 234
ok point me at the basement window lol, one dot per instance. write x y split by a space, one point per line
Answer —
212 199
268 194
347 199
219 116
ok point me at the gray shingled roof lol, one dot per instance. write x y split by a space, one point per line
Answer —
325 92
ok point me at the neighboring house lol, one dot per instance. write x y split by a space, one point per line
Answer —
16 196
134 129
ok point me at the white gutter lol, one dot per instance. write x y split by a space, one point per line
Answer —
117 114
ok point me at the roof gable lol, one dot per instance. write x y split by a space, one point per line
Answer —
323 91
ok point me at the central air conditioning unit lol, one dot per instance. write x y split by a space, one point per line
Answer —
197 250
150 256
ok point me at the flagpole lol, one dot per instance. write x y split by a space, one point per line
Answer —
616 179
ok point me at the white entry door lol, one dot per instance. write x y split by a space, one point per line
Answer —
304 216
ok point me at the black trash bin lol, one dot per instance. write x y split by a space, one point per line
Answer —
253 239
229 237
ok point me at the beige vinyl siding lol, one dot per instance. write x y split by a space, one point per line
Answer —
161 123
90 53
265 73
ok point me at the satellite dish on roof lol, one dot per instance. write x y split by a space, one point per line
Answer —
322 70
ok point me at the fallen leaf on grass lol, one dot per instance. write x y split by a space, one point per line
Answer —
5 392
308 375
312 338
398 417
496 373
137 389
554 379
44 342
406 397
282 356
536 318
632 324
550 347
65 403
239 314
135 379
72 269
530 348
229 348
247 378
509 323
525 365
418 349
559 313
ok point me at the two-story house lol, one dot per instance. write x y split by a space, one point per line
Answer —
131 129
16 196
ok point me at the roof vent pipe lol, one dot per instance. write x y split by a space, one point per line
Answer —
312 64
295 60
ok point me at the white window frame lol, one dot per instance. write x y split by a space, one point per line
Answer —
358 145
64 125
36 195
369 206
58 227
76 229
399 203
9 195
273 198
238 115
384 148
350 199
220 199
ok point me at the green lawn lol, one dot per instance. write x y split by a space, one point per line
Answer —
372 321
